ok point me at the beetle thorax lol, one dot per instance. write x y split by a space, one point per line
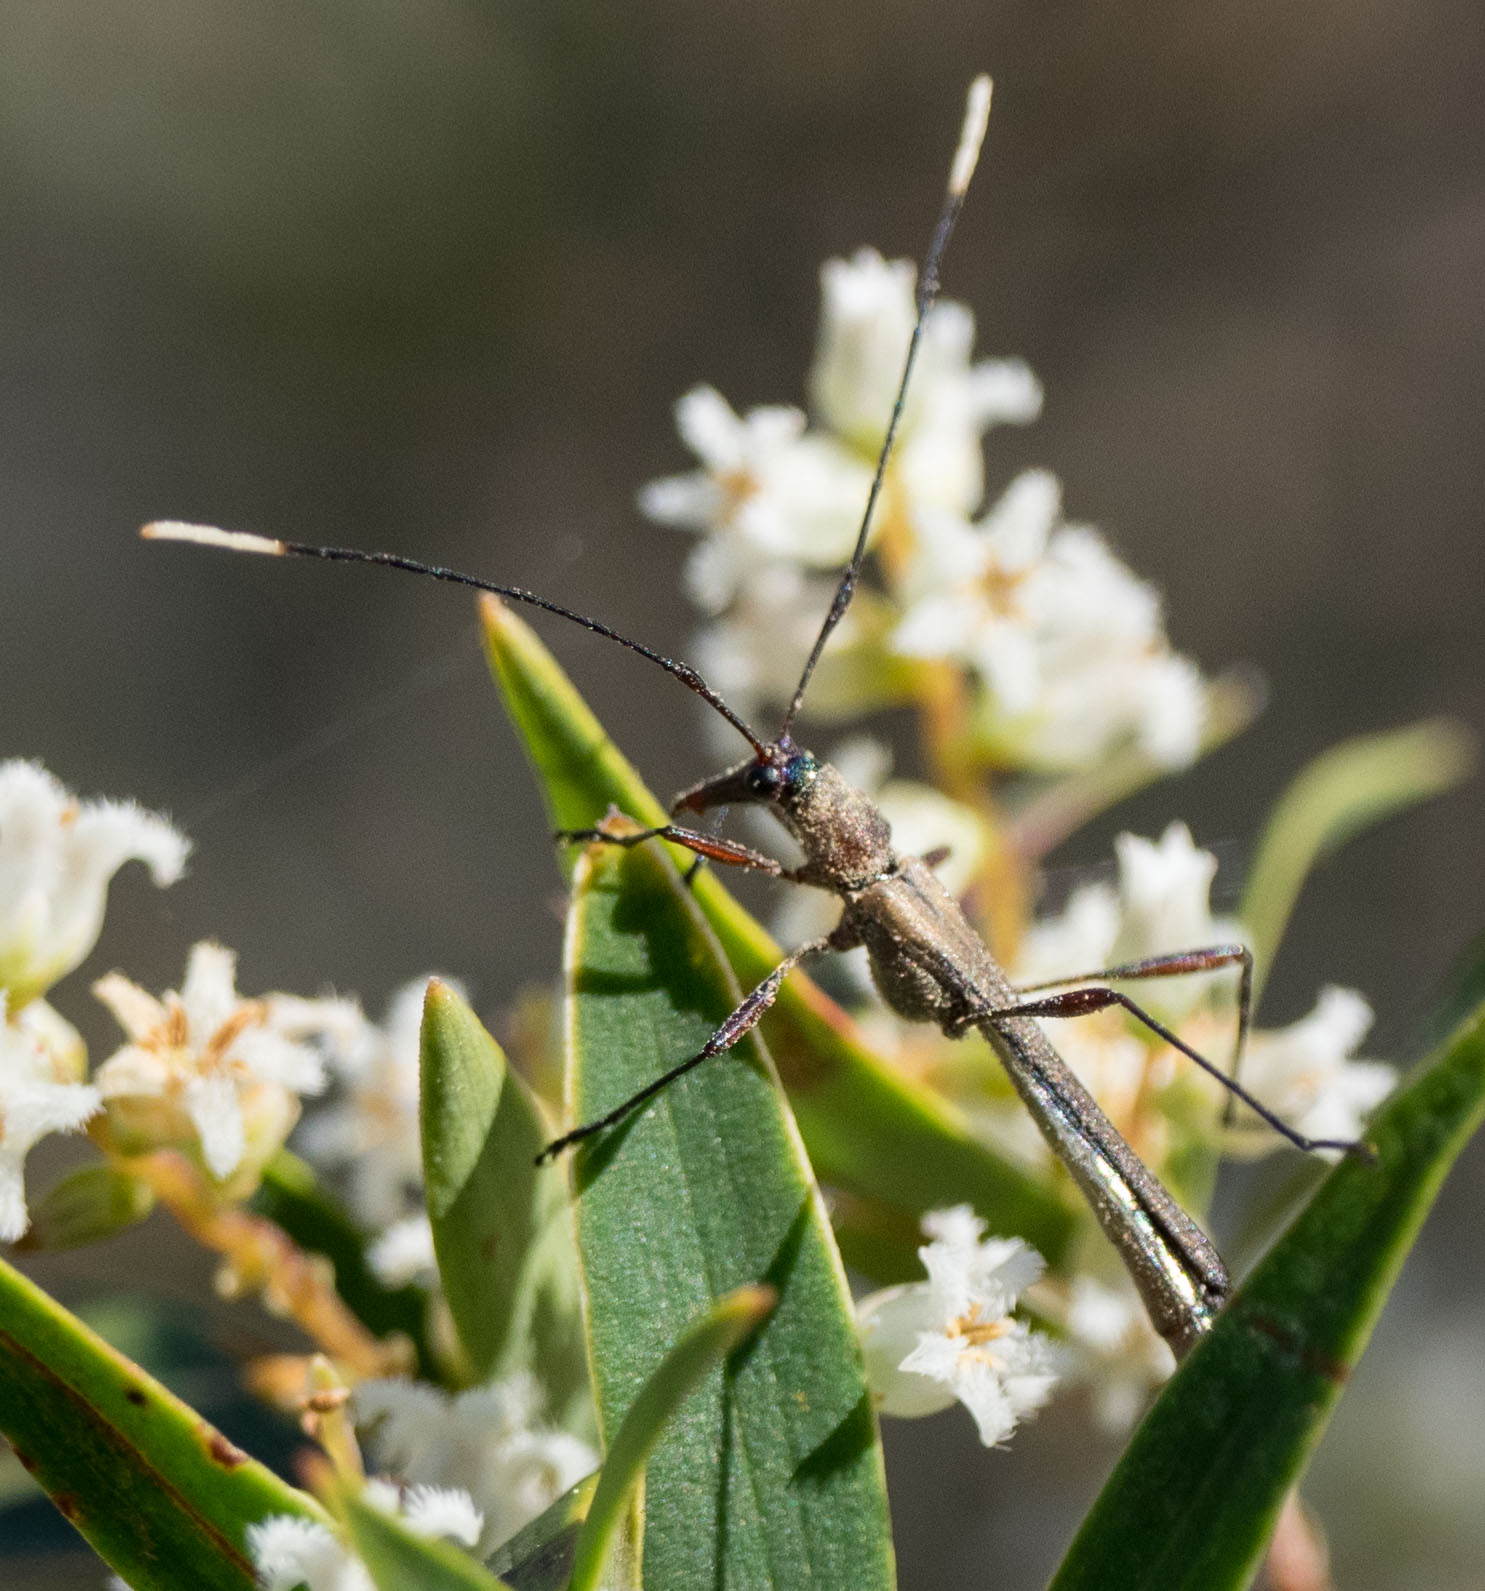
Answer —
846 840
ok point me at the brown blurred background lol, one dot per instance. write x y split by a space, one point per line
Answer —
430 278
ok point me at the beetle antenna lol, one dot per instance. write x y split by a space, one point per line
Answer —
272 546
976 118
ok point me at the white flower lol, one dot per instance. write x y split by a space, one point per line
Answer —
1080 938
951 404
953 1336
57 855
487 1440
1112 1347
1164 887
404 1252
1159 907
205 1063
866 318
754 654
289 1550
37 1096
770 490
767 491
1068 643
1304 1075
371 1127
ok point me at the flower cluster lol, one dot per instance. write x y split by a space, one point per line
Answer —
220 1078
290 1551
1160 904
490 1442
203 1069
1064 646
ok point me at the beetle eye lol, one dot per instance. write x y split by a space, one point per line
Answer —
763 779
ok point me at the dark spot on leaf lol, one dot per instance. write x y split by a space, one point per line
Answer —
1322 1364
1275 1331
1293 1343
25 1460
67 1505
489 1247
136 1397
224 1452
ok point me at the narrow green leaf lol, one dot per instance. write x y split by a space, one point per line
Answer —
90 1204
399 1559
772 1472
1195 1497
165 1499
703 1344
869 1129
502 1229
292 1197
1343 792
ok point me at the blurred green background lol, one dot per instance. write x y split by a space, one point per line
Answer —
430 277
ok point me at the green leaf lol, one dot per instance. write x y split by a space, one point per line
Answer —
772 1472
163 1497
1341 793
1194 1499
90 1204
292 1197
703 1344
502 1229
399 1559
869 1128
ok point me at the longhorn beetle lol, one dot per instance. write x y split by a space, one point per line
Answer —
927 961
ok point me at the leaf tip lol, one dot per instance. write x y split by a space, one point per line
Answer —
440 997
745 1308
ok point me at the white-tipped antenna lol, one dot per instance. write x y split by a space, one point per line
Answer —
966 157
210 536
976 120
245 541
